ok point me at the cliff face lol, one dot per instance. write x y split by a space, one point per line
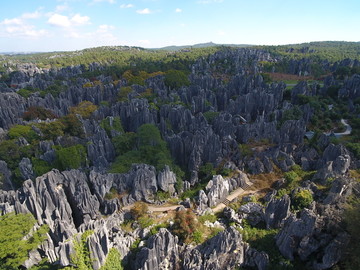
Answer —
227 119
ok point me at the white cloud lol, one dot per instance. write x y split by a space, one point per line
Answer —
59 20
209 1
77 19
221 33
144 11
178 10
15 21
127 6
19 28
65 21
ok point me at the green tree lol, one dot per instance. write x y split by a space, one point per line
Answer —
185 225
176 79
113 260
72 125
18 131
84 108
70 157
301 199
14 248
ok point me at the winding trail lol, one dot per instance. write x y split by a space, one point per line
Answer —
233 195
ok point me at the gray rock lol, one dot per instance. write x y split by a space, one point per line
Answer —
5 177
26 169
277 211
296 233
253 212
161 252
166 180
231 215
217 190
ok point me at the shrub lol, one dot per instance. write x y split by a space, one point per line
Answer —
24 93
84 108
113 260
139 209
112 194
176 79
70 157
18 131
145 221
81 258
72 125
111 123
14 247
301 199
52 130
124 143
210 116
185 224
36 112
40 166
124 92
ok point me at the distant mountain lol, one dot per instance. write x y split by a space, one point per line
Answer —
200 45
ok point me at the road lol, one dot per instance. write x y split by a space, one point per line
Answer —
160 208
340 134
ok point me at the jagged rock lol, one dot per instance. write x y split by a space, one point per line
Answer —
166 180
161 252
186 203
26 169
202 202
333 252
340 189
224 251
336 168
144 184
217 190
254 258
231 215
277 211
5 177
296 235
253 212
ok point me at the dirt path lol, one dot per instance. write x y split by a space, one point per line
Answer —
160 208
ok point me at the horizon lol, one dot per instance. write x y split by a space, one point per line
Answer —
161 48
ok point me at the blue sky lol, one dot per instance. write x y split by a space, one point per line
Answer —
55 25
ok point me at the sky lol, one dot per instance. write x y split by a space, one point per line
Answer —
63 25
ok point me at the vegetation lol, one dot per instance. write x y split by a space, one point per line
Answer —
71 157
113 260
36 112
146 146
301 199
81 258
186 225
352 220
264 240
84 108
14 246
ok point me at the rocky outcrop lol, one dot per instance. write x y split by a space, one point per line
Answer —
5 177
217 189
161 252
276 212
166 180
223 251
